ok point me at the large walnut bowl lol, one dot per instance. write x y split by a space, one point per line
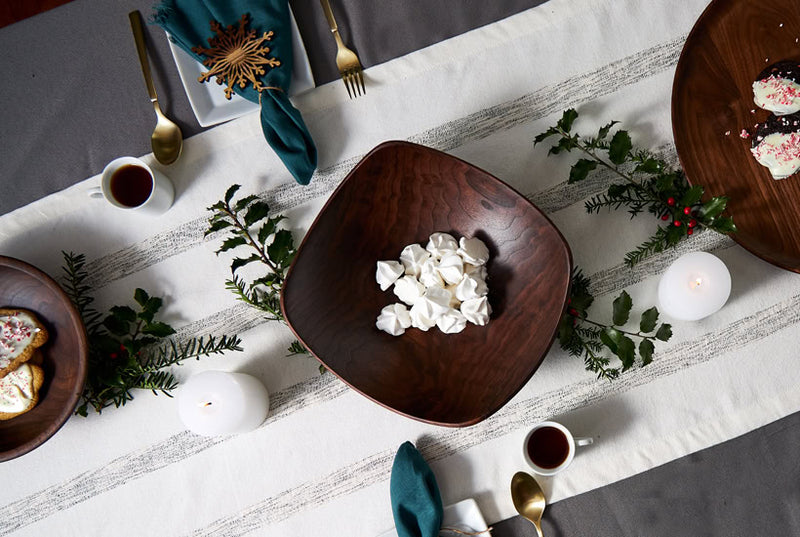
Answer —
65 356
399 194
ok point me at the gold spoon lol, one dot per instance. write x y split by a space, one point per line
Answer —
167 139
528 499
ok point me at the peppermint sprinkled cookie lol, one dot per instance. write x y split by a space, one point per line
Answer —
19 390
21 334
776 145
777 88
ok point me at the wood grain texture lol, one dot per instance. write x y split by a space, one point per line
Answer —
399 194
731 43
65 356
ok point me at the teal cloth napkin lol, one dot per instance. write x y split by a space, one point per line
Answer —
416 503
188 22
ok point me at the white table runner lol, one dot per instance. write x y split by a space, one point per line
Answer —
321 463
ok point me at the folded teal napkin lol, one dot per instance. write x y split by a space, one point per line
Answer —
188 22
416 504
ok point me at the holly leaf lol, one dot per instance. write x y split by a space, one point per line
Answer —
140 296
268 228
242 203
116 326
665 182
646 349
239 262
567 119
649 165
217 226
692 196
626 351
620 147
714 207
256 212
158 329
648 322
230 243
664 332
580 170
611 338
544 135
280 247
604 130
230 192
622 308
123 313
724 224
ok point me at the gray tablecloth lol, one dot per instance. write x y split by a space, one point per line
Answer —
75 99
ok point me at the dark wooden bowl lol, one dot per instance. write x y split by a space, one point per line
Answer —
399 194
65 356
731 43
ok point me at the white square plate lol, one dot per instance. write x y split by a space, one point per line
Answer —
208 99
463 515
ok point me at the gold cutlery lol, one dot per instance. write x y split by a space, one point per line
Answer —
167 139
346 60
528 499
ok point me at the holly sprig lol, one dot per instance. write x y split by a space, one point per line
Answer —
589 339
128 348
648 184
249 226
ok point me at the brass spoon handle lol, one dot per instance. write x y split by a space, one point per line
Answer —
138 36
326 7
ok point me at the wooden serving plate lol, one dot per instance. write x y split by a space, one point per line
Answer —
731 43
399 194
65 356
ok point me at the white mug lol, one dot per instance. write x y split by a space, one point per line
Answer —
549 447
130 184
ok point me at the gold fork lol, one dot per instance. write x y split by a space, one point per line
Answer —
346 60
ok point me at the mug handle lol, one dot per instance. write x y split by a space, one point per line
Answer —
584 441
95 192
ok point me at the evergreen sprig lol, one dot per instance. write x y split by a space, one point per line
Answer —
648 184
583 337
128 348
249 225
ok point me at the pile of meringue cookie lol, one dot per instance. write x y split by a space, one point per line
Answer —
444 284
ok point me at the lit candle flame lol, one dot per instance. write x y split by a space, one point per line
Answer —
205 404
697 282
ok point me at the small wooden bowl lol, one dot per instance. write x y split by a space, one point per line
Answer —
65 356
399 194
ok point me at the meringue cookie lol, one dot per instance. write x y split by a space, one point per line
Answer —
455 303
412 257
408 289
441 244
420 319
434 303
452 322
471 286
394 319
429 276
451 268
387 273
473 250
479 270
477 310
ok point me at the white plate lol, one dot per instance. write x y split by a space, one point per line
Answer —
208 99
463 515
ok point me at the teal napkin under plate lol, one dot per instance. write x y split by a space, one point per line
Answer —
416 503
188 23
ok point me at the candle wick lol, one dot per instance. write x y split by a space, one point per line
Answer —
207 403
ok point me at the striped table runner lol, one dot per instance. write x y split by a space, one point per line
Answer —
321 462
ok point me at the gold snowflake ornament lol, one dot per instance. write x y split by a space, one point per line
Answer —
236 56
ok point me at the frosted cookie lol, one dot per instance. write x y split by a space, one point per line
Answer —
21 334
19 390
776 145
777 88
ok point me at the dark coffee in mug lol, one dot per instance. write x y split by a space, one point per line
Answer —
131 185
548 447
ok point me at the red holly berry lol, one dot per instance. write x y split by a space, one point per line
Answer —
113 355
692 222
573 312
689 231
665 217
677 223
670 201
687 210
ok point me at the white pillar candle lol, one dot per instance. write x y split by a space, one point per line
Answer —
694 286
216 402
